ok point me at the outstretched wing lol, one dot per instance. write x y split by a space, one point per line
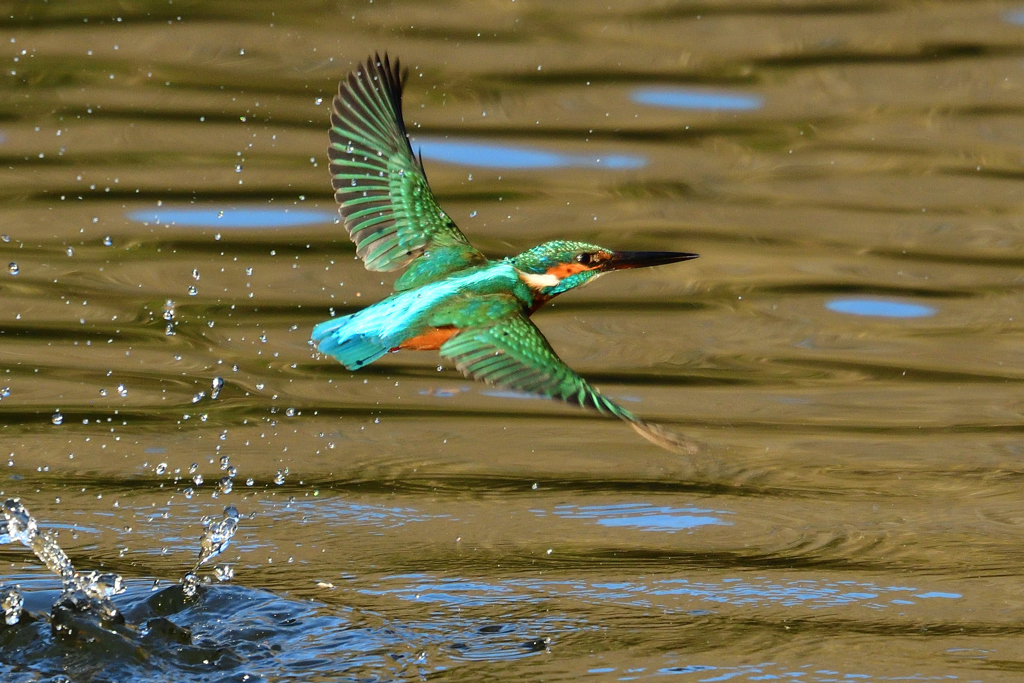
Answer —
513 354
381 188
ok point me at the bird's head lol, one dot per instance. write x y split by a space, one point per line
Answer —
555 267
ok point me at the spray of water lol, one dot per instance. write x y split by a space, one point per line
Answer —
83 591
12 603
216 537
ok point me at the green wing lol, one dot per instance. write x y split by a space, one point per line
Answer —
381 188
511 353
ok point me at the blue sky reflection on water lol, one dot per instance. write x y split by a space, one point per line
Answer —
242 217
505 393
345 512
880 308
1015 17
772 671
642 516
490 155
691 98
671 595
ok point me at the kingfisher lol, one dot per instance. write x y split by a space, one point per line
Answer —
451 298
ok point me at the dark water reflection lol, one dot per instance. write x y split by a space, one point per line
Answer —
847 348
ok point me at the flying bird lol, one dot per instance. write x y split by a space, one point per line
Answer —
451 298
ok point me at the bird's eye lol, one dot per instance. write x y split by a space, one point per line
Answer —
586 259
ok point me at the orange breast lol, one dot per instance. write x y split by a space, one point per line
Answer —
429 341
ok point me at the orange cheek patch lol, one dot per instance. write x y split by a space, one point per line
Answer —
564 270
429 341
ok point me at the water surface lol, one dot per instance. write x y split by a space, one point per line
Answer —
848 348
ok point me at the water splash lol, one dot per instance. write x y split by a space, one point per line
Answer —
22 527
216 537
88 592
12 603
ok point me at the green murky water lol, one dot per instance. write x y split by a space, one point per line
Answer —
848 347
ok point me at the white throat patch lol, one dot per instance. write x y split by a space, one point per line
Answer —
538 281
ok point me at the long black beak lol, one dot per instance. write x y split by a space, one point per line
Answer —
643 259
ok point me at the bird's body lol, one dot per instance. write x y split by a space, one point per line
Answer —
425 317
474 310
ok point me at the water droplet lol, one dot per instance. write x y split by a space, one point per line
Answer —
250 481
13 268
5 392
248 271
57 418
263 337
70 251
107 242
195 274
226 485
217 535
161 468
218 384
238 168
21 526
223 572
290 412
192 291
12 603
198 397
197 480
121 390
259 385
279 478
190 584
188 492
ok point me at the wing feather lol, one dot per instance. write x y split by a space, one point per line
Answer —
511 353
383 197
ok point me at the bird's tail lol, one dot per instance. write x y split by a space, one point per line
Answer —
665 438
353 348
